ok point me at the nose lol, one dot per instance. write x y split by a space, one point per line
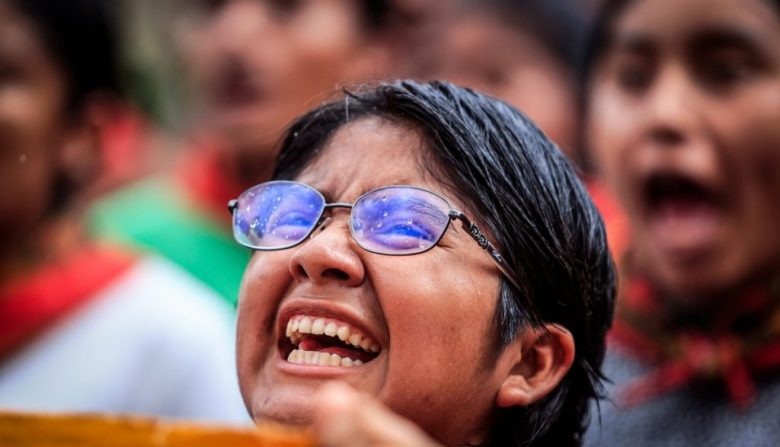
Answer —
239 23
330 255
671 109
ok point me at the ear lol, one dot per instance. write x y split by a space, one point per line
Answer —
541 358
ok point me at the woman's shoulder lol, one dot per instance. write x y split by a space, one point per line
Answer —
154 341
700 415
168 307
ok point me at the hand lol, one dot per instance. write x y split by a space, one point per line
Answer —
345 418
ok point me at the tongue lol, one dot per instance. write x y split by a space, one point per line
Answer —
684 226
317 345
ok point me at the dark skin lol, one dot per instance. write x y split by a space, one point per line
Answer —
683 123
41 142
260 64
430 335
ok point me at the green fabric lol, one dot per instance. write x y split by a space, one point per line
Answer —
156 215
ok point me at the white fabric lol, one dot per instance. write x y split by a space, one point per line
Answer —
154 342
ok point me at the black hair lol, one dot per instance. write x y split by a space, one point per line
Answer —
81 36
558 25
523 190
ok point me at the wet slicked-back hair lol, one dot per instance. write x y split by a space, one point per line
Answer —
522 189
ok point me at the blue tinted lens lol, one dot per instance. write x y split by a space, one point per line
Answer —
399 220
276 215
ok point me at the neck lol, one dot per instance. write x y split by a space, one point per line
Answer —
60 236
705 310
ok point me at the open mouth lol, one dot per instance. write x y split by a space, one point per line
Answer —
665 189
236 87
683 215
326 342
675 195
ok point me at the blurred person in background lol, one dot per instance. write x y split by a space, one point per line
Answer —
682 119
85 326
524 52
254 66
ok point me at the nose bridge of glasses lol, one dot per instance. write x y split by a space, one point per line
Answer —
325 220
339 205
335 205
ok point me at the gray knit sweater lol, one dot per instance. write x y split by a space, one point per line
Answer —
696 416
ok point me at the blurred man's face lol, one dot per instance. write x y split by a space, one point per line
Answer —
683 120
259 64
32 125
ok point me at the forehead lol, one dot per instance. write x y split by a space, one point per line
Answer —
367 154
674 20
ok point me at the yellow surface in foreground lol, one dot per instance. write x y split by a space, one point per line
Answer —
44 430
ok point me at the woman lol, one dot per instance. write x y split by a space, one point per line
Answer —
684 101
488 333
85 326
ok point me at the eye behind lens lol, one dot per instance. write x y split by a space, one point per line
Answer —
277 215
399 220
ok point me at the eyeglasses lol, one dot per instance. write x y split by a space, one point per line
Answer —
393 220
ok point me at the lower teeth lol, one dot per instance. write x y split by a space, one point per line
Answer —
302 357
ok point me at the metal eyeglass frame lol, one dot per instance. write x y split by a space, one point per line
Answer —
453 214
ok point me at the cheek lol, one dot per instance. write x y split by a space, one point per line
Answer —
749 138
610 128
265 282
28 138
439 323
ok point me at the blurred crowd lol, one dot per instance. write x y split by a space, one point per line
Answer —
127 126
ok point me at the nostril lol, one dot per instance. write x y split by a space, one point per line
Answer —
668 136
302 272
335 273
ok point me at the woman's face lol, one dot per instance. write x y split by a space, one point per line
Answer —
32 97
429 315
480 52
684 123
260 64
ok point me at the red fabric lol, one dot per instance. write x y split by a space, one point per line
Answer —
618 230
122 141
204 180
682 356
32 303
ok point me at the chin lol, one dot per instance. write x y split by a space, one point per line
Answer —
698 282
292 410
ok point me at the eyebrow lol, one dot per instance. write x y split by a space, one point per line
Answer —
718 36
726 37
632 43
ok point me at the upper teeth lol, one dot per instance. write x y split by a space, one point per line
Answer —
299 325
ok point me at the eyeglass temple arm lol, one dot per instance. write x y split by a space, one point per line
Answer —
483 242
